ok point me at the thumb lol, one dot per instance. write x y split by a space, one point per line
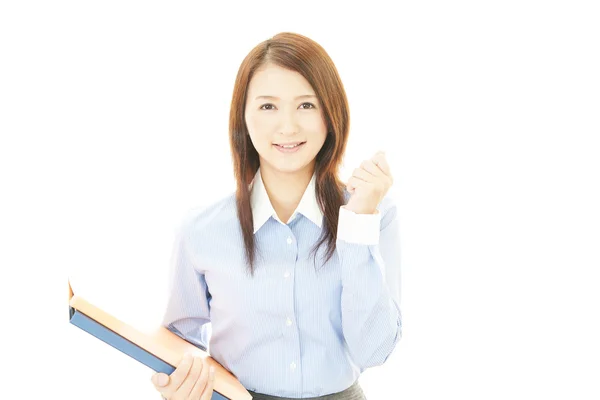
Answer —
160 379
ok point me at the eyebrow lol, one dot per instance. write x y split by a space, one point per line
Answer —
304 96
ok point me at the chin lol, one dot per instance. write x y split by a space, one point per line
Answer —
288 168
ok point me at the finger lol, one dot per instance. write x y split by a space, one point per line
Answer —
201 382
377 177
350 185
363 175
355 183
160 379
208 391
178 376
189 382
372 169
383 169
380 160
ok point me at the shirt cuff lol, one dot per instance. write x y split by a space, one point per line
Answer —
358 228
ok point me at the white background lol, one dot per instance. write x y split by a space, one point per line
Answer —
114 120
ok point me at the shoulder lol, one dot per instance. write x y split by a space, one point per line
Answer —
221 214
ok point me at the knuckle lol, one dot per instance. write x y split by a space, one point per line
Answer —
197 369
202 377
198 391
183 367
210 386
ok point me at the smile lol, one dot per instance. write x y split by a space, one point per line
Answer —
289 147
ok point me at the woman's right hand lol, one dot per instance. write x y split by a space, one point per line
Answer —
193 379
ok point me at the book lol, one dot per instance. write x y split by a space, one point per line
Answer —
157 348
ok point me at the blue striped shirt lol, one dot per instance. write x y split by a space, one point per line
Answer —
294 330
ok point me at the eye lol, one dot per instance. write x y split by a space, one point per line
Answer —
267 105
310 105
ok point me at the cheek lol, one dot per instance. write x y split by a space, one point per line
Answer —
260 133
259 124
314 122
316 126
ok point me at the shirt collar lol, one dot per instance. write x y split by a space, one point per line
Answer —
262 209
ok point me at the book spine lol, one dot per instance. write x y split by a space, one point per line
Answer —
125 346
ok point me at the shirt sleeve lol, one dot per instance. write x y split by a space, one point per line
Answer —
187 311
371 317
358 228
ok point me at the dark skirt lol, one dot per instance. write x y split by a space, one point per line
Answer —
354 392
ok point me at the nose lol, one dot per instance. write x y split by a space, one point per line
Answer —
288 124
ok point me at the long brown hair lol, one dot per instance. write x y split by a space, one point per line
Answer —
303 55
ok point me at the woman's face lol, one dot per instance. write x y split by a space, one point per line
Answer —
284 119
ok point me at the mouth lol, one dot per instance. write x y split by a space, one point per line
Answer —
289 147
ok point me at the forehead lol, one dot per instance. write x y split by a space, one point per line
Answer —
273 80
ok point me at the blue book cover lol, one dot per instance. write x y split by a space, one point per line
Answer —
120 343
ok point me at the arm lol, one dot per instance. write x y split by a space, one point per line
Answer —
368 247
188 309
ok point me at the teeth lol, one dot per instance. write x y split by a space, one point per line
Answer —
290 146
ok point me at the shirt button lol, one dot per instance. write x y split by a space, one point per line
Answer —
293 365
289 240
287 274
288 322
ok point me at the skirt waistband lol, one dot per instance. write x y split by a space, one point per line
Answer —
354 392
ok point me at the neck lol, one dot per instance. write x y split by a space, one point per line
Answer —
285 190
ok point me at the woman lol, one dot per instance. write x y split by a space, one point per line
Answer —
297 273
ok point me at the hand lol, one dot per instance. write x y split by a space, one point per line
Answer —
369 184
191 380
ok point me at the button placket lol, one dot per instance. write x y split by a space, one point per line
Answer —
287 273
